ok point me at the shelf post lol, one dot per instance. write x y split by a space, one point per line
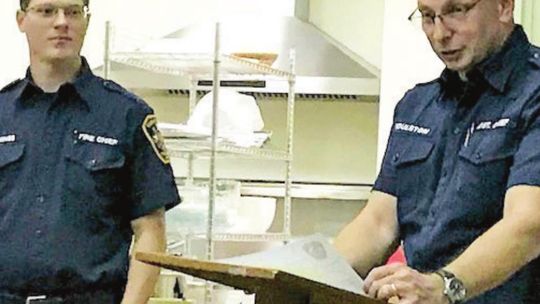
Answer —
212 186
192 104
290 132
192 94
107 51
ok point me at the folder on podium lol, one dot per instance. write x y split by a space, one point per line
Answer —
270 286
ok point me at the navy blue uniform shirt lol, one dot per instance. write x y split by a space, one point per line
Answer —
454 150
76 167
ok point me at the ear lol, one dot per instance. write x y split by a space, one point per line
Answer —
20 20
88 20
506 11
86 24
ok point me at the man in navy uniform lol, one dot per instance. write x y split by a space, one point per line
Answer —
82 170
460 180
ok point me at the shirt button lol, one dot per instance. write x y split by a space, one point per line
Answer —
536 55
39 232
40 199
93 162
75 131
457 131
478 156
395 158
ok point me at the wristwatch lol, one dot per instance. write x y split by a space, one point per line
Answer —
454 289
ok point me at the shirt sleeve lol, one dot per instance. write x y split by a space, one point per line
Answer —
526 166
386 179
152 180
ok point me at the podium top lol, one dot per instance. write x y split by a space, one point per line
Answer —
257 280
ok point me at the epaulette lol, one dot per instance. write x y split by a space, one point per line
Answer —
10 86
115 87
421 93
423 87
535 57
425 84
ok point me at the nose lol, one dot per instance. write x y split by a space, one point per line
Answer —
440 31
60 18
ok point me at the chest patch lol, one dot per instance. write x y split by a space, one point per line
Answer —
8 139
410 128
92 138
491 125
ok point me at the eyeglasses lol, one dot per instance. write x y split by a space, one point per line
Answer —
72 12
451 16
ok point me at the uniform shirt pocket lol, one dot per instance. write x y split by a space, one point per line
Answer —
10 167
483 172
497 145
95 169
411 161
10 153
412 152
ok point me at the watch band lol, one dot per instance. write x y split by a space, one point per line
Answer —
454 289
445 274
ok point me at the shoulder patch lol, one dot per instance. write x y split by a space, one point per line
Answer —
155 138
10 86
115 87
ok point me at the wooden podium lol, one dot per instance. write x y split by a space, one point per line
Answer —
269 286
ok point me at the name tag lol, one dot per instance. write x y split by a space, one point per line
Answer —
491 125
410 128
8 139
92 138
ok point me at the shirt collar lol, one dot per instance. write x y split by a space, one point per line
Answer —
497 68
82 83
79 85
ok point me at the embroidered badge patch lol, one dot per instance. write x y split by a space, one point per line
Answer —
8 139
151 131
91 138
491 125
399 126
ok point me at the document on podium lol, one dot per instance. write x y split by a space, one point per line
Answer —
313 258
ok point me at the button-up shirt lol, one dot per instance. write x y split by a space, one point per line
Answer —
454 150
76 167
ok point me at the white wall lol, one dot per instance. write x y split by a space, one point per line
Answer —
530 12
14 56
357 24
143 18
400 50
335 141
407 59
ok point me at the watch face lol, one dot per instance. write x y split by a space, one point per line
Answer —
456 290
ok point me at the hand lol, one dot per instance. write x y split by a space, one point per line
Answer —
405 283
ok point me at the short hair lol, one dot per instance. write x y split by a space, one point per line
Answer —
25 3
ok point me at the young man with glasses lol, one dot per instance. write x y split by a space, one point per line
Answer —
460 180
82 170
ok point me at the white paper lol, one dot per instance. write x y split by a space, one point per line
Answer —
312 257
